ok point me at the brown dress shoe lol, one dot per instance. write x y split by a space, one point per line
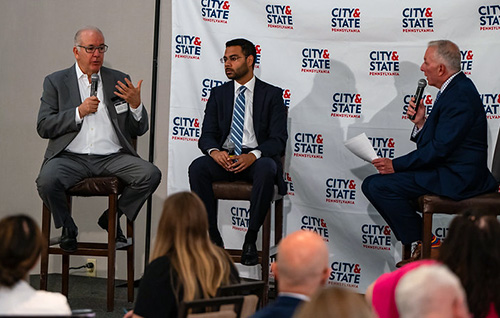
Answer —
415 256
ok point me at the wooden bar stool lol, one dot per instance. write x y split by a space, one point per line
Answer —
433 204
242 190
111 187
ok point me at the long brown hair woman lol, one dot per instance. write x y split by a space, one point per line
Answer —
185 264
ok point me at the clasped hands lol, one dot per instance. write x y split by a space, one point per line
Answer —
127 91
233 163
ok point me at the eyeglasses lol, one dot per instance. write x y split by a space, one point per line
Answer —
90 49
232 58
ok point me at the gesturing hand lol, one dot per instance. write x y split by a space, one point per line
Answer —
129 92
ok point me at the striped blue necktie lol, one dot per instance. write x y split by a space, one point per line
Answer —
238 121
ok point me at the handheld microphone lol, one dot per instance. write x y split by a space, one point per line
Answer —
93 86
422 83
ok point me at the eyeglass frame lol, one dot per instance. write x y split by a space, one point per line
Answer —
91 49
232 58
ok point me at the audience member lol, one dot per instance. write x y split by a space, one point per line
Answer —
472 251
300 269
20 247
334 302
185 264
381 293
431 291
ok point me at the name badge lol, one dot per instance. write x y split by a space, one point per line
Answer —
121 107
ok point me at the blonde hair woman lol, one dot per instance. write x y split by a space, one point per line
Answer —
185 264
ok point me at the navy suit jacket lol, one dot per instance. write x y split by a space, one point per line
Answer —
61 95
451 154
269 120
283 307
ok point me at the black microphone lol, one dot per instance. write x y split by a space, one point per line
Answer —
422 83
93 87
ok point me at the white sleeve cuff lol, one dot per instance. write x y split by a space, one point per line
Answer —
257 153
137 112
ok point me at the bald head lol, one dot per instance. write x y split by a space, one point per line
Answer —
302 263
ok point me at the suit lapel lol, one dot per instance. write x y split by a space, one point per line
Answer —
108 89
438 103
258 101
228 105
72 84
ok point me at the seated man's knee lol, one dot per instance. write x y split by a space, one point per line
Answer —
155 175
198 165
266 167
371 184
47 182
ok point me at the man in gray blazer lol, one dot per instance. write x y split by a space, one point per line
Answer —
91 135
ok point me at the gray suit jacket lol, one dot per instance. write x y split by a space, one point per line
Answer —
56 117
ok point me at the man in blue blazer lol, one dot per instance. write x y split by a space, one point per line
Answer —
263 142
92 135
301 268
451 155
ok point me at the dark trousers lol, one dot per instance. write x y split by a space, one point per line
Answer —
262 173
391 195
64 171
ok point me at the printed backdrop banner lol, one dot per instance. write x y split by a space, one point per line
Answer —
344 69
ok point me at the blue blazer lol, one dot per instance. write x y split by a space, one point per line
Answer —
452 148
269 120
282 307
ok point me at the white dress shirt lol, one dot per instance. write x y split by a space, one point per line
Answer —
249 138
97 135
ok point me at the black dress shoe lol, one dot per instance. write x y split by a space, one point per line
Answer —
68 240
103 223
249 255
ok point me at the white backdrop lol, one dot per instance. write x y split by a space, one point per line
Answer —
344 69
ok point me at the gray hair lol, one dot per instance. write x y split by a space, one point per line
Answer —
449 53
78 34
416 293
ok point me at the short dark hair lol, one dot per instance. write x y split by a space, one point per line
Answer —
247 47
20 247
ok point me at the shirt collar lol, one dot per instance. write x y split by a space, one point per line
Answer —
295 295
447 82
250 85
80 74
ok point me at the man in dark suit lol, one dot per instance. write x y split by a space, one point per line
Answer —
258 138
301 268
451 155
91 135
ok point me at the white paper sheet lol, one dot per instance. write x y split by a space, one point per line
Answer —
361 147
